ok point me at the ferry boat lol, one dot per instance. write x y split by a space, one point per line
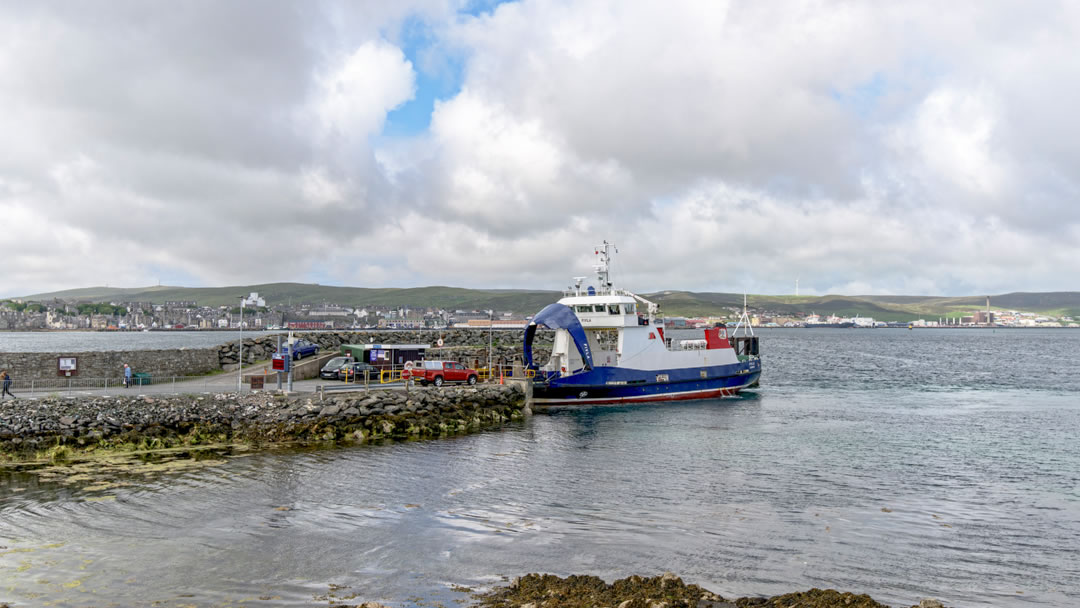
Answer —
610 347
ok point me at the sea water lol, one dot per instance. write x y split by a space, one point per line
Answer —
902 464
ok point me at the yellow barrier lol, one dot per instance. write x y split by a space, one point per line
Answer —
483 374
387 376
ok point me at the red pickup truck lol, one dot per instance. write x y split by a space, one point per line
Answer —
441 372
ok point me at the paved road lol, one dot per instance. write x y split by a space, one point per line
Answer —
220 383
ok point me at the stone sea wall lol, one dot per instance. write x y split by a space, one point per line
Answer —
110 364
28 428
469 346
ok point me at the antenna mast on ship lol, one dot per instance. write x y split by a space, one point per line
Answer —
603 268
744 320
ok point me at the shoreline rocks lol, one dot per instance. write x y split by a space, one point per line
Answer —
665 591
56 428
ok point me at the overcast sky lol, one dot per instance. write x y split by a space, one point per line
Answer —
862 147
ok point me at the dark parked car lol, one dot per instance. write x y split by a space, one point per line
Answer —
332 366
354 372
302 348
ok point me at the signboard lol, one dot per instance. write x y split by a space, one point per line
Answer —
256 382
67 366
280 362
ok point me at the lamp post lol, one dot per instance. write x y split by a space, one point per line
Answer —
240 371
491 317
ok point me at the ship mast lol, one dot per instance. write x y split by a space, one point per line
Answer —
744 321
603 273
603 267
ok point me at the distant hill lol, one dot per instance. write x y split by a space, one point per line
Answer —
882 308
676 303
523 301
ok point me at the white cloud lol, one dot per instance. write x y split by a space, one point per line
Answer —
722 145
367 84
951 140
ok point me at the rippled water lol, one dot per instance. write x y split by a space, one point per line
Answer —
901 464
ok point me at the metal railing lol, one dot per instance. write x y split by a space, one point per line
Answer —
218 383
44 387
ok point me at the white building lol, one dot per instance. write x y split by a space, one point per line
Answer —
254 300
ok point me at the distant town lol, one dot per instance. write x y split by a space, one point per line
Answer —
72 314
59 314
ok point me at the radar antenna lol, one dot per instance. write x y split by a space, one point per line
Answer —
577 285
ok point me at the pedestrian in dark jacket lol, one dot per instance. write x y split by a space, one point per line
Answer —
7 385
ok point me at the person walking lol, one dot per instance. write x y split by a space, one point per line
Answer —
127 375
7 384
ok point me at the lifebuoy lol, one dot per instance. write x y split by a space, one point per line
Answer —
439 342
409 365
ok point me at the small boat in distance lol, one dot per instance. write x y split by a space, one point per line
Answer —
608 350
815 321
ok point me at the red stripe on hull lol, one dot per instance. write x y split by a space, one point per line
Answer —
710 394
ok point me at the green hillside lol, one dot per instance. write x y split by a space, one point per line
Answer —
689 304
522 301
676 303
881 308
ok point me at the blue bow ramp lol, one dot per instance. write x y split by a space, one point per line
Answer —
558 316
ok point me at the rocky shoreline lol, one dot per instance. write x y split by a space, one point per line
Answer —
57 429
666 591
581 591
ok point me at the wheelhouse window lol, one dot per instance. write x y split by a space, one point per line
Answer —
600 308
629 309
613 309
583 308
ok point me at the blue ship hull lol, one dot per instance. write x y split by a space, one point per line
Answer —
619 385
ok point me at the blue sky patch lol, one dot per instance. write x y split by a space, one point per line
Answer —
439 74
863 97
481 7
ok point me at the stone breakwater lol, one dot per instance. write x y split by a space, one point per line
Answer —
469 346
458 343
56 428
